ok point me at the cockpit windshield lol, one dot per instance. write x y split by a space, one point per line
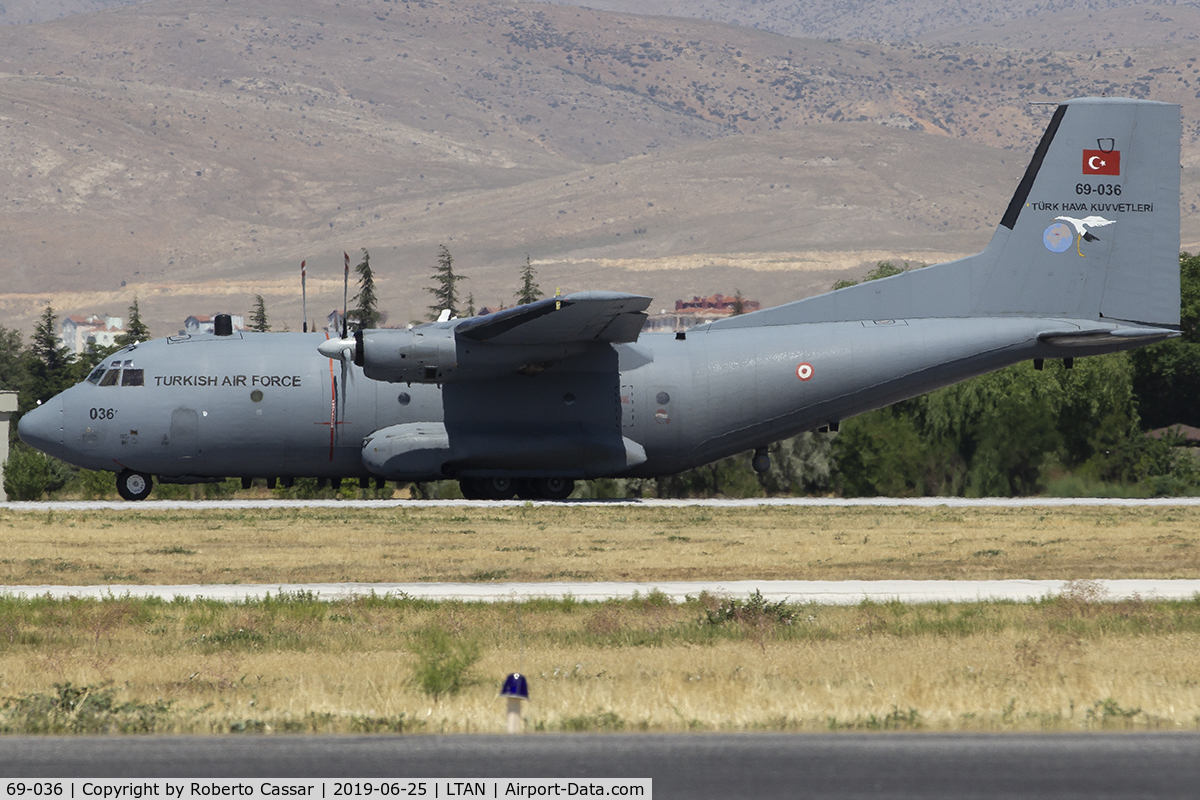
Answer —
118 373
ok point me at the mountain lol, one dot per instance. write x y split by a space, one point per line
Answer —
192 153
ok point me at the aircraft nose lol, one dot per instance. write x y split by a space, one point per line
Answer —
42 427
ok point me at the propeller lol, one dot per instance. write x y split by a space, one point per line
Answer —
340 350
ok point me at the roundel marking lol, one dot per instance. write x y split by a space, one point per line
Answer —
804 371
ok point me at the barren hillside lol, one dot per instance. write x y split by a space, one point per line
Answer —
194 152
1073 24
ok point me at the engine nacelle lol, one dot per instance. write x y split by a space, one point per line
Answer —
414 355
434 354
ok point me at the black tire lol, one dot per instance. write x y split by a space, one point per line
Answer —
555 488
527 489
498 488
134 485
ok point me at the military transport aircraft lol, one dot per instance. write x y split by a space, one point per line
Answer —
530 399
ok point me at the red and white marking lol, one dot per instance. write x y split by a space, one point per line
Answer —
804 371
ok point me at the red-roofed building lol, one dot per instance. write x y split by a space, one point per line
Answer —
100 330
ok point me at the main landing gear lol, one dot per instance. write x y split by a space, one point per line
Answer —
134 485
524 488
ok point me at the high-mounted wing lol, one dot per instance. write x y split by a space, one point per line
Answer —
526 340
580 317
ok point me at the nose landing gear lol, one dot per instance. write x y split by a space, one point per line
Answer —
134 485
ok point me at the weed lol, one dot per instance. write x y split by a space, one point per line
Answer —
248 726
80 709
599 721
444 662
894 720
399 723
1107 712
241 638
755 610
481 576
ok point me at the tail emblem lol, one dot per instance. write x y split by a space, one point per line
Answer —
1057 237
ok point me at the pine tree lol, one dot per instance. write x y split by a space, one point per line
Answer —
49 363
136 331
258 316
739 303
445 292
529 291
471 305
365 314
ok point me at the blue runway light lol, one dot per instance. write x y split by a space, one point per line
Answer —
515 685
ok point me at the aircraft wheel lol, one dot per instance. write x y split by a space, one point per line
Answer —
527 490
498 488
470 489
555 488
134 485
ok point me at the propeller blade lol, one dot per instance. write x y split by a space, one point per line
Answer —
345 292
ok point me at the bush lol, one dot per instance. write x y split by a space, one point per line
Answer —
29 474
80 709
443 662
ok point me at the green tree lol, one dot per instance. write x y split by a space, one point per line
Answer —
445 288
49 366
136 330
1167 375
883 269
529 291
258 315
365 313
471 305
739 303
12 360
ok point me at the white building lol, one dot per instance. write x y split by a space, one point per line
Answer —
203 323
101 330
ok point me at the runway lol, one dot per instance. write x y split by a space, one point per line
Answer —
820 592
801 502
697 766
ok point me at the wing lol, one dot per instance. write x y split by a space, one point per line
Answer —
1097 222
580 317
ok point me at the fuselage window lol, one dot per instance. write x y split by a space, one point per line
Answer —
97 373
110 377
133 377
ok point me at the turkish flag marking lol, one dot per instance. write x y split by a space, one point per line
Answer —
1098 162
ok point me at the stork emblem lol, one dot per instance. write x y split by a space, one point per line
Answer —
1081 230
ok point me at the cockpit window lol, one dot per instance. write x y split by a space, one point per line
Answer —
110 377
96 374
133 377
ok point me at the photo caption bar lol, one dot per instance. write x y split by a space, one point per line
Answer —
260 788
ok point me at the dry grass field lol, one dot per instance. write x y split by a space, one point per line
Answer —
375 664
293 664
542 543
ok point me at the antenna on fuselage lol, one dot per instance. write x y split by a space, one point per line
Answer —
304 295
345 290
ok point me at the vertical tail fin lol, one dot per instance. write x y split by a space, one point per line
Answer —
1093 229
1092 232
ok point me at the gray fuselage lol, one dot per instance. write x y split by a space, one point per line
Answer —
262 404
